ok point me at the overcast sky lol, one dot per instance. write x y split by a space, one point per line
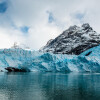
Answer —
34 22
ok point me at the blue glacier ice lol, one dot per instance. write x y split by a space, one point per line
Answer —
88 61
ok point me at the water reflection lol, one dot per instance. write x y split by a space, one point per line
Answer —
49 86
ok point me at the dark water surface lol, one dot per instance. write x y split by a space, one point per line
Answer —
49 86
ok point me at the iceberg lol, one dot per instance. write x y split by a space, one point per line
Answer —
88 61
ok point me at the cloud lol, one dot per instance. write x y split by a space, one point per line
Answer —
34 22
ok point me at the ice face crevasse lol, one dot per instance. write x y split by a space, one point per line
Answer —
74 40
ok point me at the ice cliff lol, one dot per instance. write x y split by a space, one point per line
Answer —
88 61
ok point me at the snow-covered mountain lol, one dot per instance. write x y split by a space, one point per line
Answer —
75 40
20 46
82 42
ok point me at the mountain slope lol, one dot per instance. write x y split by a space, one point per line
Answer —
75 40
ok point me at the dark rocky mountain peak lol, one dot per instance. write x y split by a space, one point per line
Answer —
74 40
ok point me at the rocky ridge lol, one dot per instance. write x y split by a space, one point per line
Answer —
74 40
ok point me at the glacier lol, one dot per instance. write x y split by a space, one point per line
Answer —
88 61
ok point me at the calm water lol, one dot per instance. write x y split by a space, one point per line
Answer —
49 86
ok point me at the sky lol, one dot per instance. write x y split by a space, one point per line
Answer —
34 22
